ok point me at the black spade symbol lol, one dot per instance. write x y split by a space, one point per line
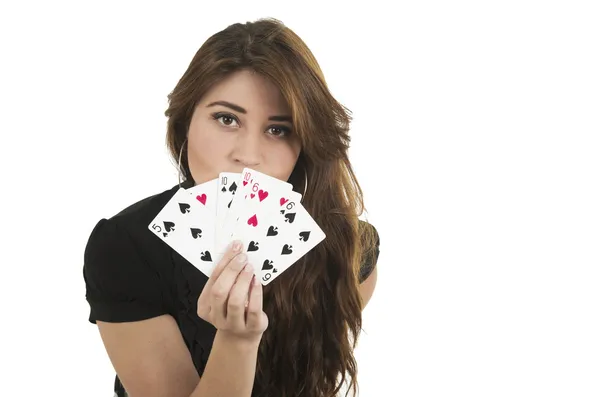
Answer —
206 256
282 211
223 190
169 226
272 231
253 246
304 236
233 188
267 265
274 270
184 208
287 249
289 218
196 233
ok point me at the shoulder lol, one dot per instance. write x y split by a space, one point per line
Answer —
143 211
366 228
370 241
132 220
127 228
123 260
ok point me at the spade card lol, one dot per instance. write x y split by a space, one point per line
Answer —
258 229
298 237
282 242
228 185
187 227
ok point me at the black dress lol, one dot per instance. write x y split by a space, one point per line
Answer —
130 275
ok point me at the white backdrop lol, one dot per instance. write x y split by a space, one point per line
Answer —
475 137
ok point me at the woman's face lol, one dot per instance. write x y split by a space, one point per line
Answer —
243 121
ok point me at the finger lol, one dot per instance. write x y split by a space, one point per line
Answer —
231 252
237 298
255 305
222 286
248 295
205 298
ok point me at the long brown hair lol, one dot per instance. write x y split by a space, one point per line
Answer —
314 307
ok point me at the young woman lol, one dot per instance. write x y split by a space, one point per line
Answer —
253 96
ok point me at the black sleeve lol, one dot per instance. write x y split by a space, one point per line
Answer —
370 255
120 284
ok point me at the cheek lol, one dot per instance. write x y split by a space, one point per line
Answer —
207 148
206 142
286 159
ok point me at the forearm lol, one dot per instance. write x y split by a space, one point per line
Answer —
230 369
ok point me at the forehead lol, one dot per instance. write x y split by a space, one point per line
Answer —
248 89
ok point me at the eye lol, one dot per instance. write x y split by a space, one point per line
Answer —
226 120
280 131
224 116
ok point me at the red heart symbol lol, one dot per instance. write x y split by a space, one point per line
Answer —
283 200
252 195
202 198
262 195
253 221
245 182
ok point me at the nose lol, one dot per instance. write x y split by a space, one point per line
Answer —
248 149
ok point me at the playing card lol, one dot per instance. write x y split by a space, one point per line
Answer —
206 194
255 220
257 185
228 184
259 232
187 227
262 196
282 242
261 211
257 192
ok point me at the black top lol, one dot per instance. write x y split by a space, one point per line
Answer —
130 275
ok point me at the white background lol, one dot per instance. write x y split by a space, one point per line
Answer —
475 137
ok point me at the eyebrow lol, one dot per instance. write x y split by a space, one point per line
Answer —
240 109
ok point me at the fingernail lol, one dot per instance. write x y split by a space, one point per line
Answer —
237 245
242 258
249 268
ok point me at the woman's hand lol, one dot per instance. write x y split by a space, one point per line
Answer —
232 298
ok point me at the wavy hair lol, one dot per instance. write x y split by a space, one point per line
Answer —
315 307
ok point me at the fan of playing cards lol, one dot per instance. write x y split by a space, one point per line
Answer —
261 211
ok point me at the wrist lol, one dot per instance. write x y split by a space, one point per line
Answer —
236 342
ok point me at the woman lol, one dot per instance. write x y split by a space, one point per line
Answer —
253 96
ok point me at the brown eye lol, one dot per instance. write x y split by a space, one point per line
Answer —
281 131
227 118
